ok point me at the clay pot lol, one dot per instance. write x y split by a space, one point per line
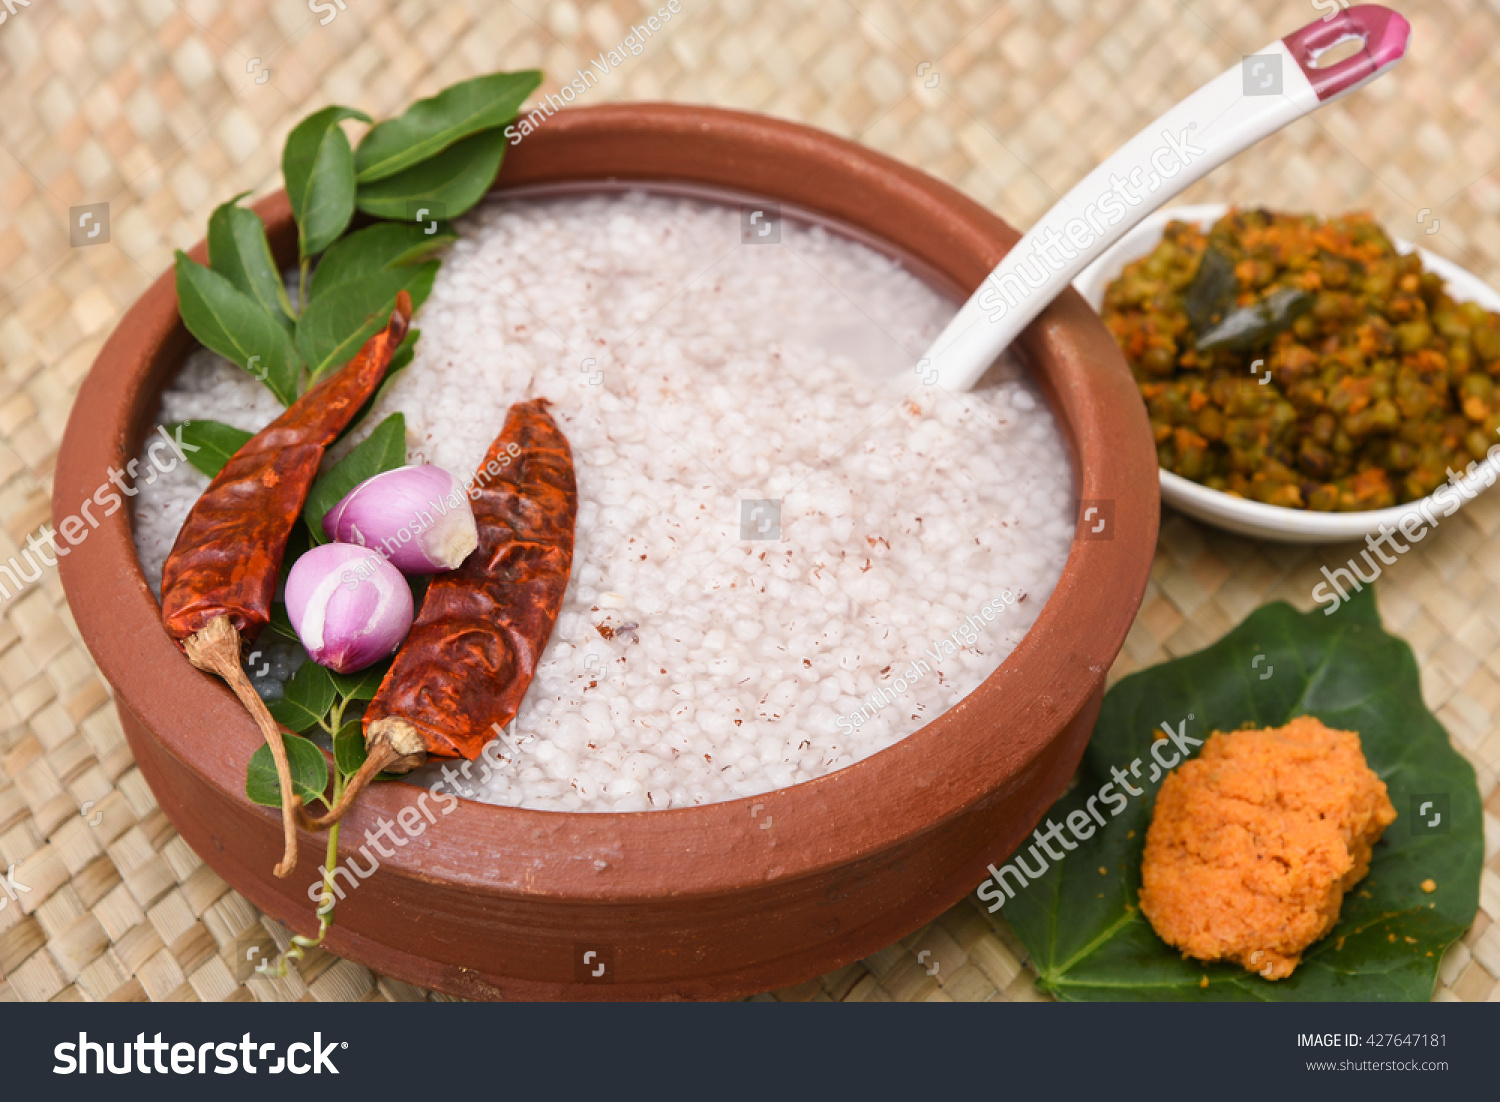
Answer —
708 902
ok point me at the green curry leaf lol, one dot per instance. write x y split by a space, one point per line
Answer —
318 164
431 125
215 442
1253 326
237 327
448 184
402 357
308 766
383 450
309 695
405 352
340 319
361 684
1080 920
1213 288
349 748
238 250
281 622
376 248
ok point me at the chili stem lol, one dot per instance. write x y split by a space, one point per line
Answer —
302 284
216 649
379 757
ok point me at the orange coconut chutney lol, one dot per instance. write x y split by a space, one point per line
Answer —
1253 844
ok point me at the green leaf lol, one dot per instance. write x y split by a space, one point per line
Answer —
238 250
335 324
216 443
383 450
1213 288
309 695
349 748
234 325
312 687
1253 326
383 245
298 543
418 583
362 684
452 182
400 360
292 716
431 125
281 621
308 767
402 357
318 165
1084 930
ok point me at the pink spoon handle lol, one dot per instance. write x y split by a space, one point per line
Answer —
1385 34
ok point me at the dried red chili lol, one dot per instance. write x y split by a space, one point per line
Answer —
470 656
219 580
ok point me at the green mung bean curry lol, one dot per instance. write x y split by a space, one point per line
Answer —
1304 362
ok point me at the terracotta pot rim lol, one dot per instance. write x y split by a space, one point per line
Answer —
945 768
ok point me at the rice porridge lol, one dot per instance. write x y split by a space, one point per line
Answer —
790 553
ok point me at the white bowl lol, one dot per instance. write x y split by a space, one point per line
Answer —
1252 518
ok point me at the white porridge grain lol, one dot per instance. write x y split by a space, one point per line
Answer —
777 523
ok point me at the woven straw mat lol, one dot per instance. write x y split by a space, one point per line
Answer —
164 109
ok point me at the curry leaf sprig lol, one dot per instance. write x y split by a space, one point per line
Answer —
415 172
408 176
316 698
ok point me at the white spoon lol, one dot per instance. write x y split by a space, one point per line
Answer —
1230 113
